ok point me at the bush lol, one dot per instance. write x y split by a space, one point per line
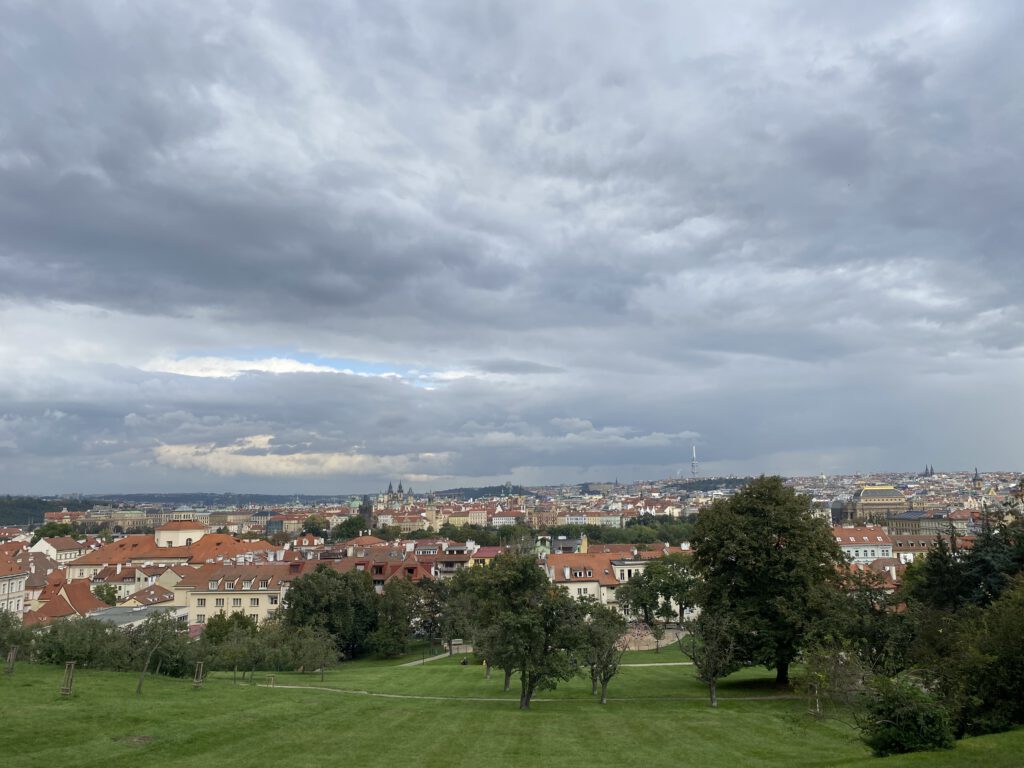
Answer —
903 717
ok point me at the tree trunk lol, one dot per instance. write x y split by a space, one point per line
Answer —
508 679
604 691
142 676
234 675
526 693
593 683
713 692
487 669
782 674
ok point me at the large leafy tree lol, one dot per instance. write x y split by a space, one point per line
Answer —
342 604
397 606
769 566
602 645
522 623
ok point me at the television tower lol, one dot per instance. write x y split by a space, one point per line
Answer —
693 463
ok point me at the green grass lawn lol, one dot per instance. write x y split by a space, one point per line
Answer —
657 716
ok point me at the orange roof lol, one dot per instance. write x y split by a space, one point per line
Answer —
64 543
182 525
141 547
9 567
152 595
598 564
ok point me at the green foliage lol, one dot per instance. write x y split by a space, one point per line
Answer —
28 510
220 625
485 537
712 647
11 632
601 645
770 566
520 622
316 525
106 592
903 717
342 604
52 530
982 677
349 529
396 608
89 642
937 580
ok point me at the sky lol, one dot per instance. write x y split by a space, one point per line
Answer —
316 247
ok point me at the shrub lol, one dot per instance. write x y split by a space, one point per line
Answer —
903 717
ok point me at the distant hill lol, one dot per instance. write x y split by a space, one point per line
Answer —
708 483
488 490
221 499
28 510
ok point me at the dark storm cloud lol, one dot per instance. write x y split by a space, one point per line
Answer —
581 237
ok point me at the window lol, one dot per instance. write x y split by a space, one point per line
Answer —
254 616
254 602
201 602
236 602
581 590
229 585
213 584
272 599
200 618
265 584
219 602
247 584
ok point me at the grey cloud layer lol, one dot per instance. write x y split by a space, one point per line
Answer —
793 234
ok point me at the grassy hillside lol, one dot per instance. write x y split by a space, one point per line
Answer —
439 714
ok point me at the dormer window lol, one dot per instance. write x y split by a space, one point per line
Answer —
213 584
248 584
265 584
229 585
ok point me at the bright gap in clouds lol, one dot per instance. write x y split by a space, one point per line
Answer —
216 367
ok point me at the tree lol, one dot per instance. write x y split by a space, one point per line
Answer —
768 564
52 530
219 626
712 649
904 717
602 645
397 605
106 592
348 529
938 579
366 512
11 631
639 597
520 622
315 525
160 631
343 604
432 610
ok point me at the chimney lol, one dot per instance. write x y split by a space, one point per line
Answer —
567 571
117 568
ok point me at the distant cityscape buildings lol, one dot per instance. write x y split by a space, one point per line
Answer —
196 561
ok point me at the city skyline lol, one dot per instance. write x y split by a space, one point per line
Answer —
314 250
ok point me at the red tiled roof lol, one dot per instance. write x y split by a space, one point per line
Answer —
182 525
142 547
152 595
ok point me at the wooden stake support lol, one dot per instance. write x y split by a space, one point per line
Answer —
67 687
12 655
197 679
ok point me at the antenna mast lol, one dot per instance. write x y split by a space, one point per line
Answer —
694 466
